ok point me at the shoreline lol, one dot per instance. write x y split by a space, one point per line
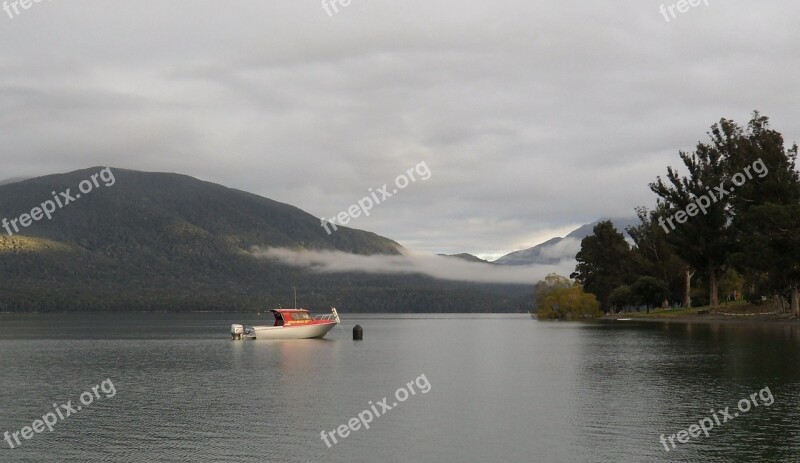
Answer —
745 319
729 312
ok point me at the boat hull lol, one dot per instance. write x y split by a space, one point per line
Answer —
311 331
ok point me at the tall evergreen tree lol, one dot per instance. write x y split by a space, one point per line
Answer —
655 255
604 262
701 236
766 208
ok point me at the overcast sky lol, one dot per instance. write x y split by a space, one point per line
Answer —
533 117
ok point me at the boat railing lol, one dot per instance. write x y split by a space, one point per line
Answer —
331 317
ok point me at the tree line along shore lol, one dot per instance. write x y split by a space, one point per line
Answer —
722 239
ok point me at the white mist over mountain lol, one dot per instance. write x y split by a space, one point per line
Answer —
527 266
441 267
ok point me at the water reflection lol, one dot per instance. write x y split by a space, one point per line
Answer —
660 378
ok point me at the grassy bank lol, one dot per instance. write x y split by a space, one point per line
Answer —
732 310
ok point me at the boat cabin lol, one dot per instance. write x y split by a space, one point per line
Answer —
289 317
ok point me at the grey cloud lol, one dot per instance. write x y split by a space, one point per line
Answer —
531 114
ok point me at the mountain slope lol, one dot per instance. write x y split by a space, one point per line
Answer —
554 250
159 241
467 257
159 210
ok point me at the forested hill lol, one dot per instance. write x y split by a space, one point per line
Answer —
162 213
160 241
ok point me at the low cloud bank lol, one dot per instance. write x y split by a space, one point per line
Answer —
564 249
444 268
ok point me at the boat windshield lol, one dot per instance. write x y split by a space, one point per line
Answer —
301 316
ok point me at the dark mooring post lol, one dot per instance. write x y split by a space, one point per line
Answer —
358 333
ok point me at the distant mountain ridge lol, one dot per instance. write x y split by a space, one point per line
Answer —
12 180
467 257
556 249
180 208
164 241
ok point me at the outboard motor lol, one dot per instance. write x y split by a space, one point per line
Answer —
237 331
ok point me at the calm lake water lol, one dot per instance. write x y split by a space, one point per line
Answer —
500 388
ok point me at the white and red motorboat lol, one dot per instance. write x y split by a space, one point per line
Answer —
290 324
